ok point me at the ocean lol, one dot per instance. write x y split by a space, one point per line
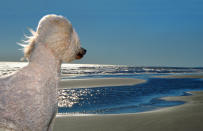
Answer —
119 99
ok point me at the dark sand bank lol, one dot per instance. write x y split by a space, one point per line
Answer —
182 76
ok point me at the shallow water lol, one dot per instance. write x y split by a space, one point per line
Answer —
126 99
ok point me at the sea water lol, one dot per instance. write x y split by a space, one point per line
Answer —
119 99
126 99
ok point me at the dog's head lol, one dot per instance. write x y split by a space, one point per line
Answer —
58 35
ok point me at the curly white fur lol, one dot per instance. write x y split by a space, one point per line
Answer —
28 98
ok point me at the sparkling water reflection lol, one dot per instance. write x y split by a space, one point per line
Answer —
126 99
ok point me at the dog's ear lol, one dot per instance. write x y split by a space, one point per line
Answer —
28 44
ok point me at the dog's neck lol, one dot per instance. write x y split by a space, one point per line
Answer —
43 59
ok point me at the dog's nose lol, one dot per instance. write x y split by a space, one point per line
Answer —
81 53
84 51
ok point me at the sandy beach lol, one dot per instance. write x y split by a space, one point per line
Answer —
102 82
186 117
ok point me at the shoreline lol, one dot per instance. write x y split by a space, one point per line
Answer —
186 117
99 82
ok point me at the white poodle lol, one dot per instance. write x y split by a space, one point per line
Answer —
28 98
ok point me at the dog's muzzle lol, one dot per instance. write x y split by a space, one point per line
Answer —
81 53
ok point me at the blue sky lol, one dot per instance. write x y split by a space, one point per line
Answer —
127 32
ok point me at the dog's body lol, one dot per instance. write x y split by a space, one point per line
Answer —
28 98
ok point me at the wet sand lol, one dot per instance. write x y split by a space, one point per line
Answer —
88 83
186 117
